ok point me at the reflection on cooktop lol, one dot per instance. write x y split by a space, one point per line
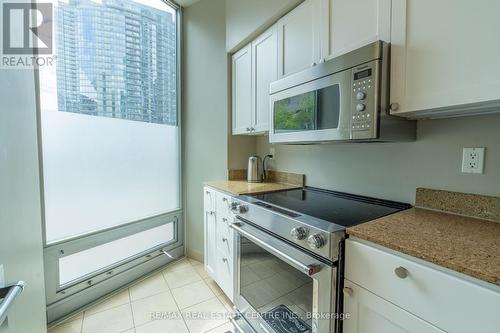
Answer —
340 208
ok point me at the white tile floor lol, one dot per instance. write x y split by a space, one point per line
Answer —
171 301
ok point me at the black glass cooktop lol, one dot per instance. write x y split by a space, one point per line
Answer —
336 207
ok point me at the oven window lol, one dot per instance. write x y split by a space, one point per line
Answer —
314 110
279 292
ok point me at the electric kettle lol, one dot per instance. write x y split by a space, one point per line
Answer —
254 170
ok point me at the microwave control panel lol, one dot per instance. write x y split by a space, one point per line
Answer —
363 110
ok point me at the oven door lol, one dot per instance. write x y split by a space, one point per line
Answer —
318 110
281 288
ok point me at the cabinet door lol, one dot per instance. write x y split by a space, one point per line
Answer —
242 90
210 244
298 38
370 313
210 233
442 56
209 199
225 259
265 71
225 271
350 24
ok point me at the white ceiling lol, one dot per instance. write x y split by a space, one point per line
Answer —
186 3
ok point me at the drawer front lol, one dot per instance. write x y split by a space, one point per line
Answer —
371 313
224 237
446 301
223 204
209 198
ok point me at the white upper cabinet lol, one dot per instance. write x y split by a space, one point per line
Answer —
253 69
242 90
298 38
265 71
444 57
349 24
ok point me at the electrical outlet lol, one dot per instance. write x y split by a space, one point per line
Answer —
272 151
473 160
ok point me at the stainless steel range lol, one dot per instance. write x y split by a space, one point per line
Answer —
290 257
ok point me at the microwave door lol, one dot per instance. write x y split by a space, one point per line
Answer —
312 112
315 111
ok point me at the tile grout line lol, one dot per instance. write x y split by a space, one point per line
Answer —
113 307
139 281
177 305
81 326
131 309
169 290
215 296
216 327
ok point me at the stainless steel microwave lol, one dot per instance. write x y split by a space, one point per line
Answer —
343 99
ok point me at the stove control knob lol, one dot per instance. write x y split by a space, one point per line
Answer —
298 233
238 208
316 241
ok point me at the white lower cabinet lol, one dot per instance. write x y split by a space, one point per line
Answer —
219 240
209 231
370 313
404 294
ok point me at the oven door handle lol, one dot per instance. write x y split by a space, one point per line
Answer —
306 269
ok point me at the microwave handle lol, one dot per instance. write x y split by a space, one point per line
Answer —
306 269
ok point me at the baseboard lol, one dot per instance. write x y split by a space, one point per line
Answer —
193 254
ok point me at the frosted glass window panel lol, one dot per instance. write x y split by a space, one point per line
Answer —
88 261
101 172
109 116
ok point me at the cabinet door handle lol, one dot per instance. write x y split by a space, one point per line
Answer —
224 219
224 239
394 106
224 259
313 64
224 199
401 272
207 192
248 129
212 212
348 291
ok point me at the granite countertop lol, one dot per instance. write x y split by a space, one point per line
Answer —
464 244
239 187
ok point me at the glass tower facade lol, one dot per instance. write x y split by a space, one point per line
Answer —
116 58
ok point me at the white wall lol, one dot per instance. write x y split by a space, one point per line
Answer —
246 18
20 212
395 170
205 113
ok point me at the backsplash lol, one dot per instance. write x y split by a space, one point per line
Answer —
394 170
467 204
272 177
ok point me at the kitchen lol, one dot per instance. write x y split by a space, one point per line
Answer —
379 223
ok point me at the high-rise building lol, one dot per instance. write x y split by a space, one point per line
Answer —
116 58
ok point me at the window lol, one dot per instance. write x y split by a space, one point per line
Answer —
110 144
110 135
